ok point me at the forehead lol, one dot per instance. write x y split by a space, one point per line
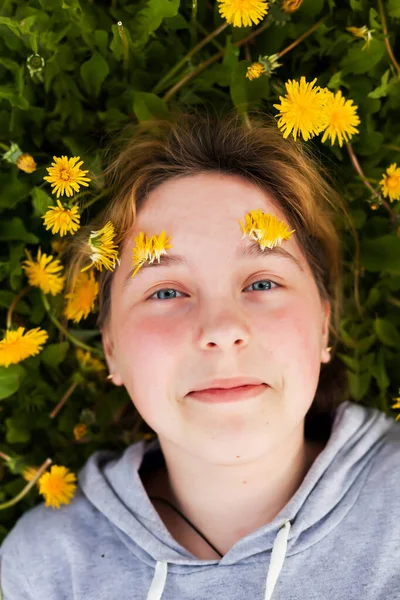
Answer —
202 205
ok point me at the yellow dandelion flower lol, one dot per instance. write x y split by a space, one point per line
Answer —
242 13
17 346
44 273
57 486
89 362
103 250
341 118
255 70
65 176
29 473
267 229
302 109
80 430
390 182
26 163
397 406
149 248
289 6
62 219
81 299
362 32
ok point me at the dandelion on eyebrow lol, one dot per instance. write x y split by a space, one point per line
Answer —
148 249
267 229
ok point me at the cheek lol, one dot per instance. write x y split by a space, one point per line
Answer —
291 334
147 345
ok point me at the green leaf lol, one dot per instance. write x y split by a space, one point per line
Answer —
101 39
365 344
17 428
10 380
379 372
387 332
374 297
359 384
359 61
149 19
14 229
243 91
147 105
367 361
6 298
8 92
310 8
13 188
335 81
40 201
93 73
350 362
393 9
383 89
359 218
381 254
54 354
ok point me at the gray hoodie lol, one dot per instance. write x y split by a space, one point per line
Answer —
338 538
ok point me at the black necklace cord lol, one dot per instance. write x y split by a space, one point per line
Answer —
187 521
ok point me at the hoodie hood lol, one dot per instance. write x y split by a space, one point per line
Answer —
112 484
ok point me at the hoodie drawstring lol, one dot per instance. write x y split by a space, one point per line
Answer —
277 559
275 566
158 583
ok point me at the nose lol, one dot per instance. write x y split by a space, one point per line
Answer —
223 328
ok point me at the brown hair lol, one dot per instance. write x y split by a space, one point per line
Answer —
144 155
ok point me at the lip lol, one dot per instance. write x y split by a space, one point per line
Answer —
228 395
227 383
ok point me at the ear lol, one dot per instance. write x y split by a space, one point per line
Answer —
326 318
109 351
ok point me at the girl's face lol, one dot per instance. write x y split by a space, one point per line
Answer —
174 327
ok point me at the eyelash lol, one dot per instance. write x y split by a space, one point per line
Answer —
164 289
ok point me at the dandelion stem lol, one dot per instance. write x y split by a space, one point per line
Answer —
158 87
63 399
359 170
205 32
4 146
65 331
302 37
172 91
125 44
92 201
193 20
30 485
5 456
386 37
14 303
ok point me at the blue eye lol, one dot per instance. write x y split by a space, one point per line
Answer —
173 290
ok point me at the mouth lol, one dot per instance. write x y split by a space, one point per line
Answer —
217 395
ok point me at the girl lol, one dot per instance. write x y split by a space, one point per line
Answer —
265 480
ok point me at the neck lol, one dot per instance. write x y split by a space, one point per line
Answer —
227 504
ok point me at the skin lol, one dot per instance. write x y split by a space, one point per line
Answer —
230 468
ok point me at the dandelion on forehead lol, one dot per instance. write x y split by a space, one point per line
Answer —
265 228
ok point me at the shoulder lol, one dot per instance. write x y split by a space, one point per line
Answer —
43 538
384 467
42 524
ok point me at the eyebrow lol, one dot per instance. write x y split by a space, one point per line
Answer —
252 250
